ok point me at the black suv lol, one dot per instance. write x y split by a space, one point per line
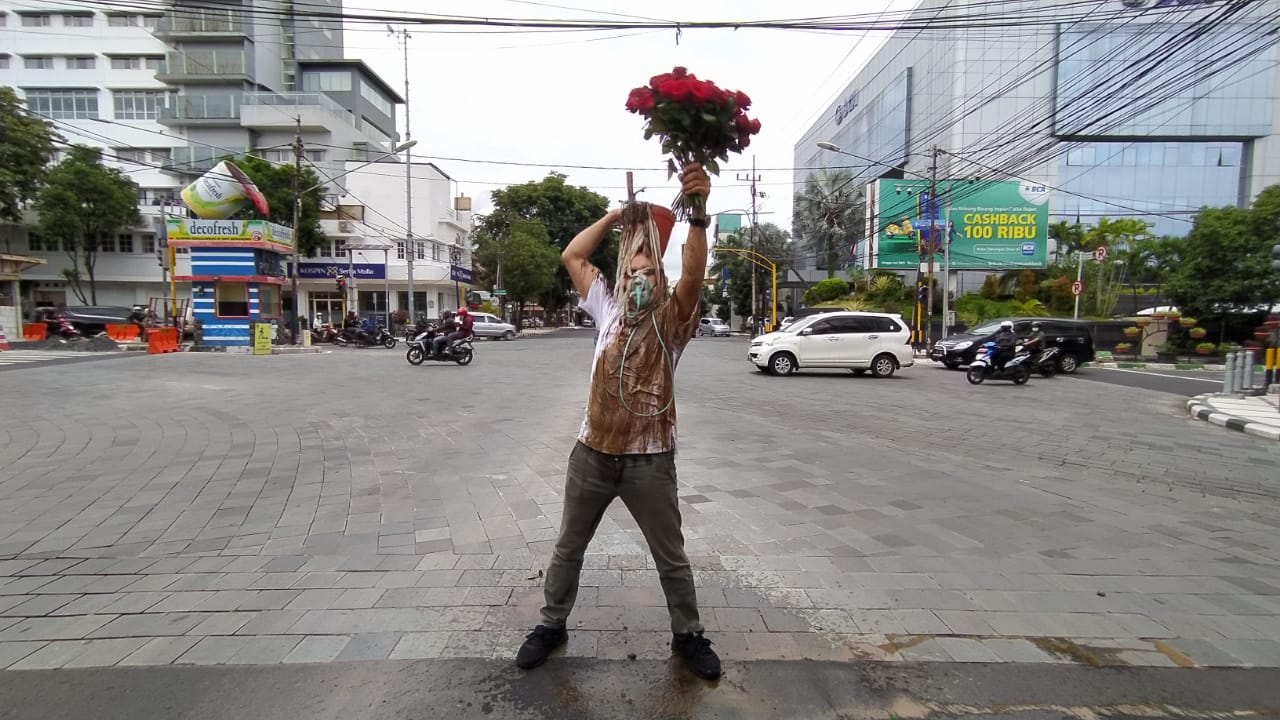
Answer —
1072 336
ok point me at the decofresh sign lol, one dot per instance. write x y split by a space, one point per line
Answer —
249 233
991 225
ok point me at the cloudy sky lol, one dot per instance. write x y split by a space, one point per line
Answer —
482 102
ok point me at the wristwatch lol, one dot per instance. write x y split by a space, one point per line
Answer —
698 222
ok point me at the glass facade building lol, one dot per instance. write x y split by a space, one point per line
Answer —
1122 109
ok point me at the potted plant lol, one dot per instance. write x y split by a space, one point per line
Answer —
1132 331
1124 348
1206 348
1187 322
1172 315
1168 353
1142 321
1197 333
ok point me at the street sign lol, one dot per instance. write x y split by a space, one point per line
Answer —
499 291
1100 253
1077 288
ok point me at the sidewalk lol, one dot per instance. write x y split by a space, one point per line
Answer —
1258 416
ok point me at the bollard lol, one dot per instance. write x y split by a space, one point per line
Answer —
1246 373
1269 377
1229 377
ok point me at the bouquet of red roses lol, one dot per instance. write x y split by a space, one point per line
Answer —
697 122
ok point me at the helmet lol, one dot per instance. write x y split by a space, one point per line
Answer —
1006 325
1035 327
462 312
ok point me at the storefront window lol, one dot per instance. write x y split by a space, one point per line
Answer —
268 300
231 299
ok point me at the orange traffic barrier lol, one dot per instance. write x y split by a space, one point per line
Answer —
34 332
162 340
123 333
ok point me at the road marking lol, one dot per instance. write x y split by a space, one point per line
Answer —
1153 374
18 357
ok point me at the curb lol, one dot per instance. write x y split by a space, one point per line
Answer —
1198 408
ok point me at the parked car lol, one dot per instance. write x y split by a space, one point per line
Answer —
91 319
714 327
1072 338
491 326
860 341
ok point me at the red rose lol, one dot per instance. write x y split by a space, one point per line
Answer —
640 100
679 71
679 89
743 123
755 126
704 92
657 81
741 100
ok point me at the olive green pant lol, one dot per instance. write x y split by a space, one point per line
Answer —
647 486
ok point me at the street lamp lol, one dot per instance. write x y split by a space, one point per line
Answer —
297 219
830 146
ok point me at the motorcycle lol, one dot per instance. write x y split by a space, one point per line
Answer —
324 334
382 336
1017 368
1046 362
458 351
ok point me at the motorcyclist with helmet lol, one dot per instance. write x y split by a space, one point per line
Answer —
461 328
1006 340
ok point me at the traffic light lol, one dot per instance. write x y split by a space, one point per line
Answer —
922 293
342 283
1275 258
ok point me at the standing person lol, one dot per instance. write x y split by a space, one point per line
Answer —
626 447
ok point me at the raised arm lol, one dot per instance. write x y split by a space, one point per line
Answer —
688 294
576 256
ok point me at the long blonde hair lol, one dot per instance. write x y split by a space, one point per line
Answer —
639 234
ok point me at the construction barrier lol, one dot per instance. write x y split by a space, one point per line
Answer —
122 333
162 340
4 342
34 332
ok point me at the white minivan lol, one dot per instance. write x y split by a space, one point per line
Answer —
859 341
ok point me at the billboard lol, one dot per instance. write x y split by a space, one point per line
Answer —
260 234
992 225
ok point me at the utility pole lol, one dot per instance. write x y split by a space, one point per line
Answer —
296 328
402 37
755 301
932 210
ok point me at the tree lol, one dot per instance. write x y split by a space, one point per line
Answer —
1225 260
1106 278
529 261
771 241
276 183
828 215
84 203
1068 239
26 149
563 211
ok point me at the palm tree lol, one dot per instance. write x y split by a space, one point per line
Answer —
828 215
1068 238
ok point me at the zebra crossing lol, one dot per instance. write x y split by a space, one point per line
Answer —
14 359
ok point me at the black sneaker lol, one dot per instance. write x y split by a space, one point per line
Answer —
538 645
697 653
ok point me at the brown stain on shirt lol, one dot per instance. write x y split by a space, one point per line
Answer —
648 386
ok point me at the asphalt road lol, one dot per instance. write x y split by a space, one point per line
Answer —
643 690
1185 383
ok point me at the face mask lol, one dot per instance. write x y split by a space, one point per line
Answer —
640 292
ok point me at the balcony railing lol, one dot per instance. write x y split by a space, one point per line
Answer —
202 107
193 159
294 99
202 22
209 64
